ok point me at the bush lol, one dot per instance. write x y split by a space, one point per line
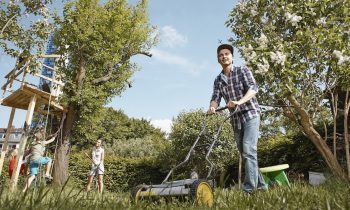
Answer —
148 146
121 174
185 130
299 153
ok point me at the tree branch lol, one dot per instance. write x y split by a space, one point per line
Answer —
305 118
7 23
287 111
113 68
146 54
108 76
289 114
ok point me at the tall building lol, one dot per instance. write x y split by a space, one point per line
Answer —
50 49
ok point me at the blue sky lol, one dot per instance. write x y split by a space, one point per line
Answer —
179 76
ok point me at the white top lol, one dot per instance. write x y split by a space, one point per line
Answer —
38 150
97 155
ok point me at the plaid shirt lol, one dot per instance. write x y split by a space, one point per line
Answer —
234 88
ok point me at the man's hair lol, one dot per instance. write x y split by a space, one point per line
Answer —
224 46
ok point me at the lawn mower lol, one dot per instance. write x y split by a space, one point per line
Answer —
200 190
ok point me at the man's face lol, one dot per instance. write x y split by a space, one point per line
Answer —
225 57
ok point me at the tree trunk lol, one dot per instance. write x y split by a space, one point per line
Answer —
335 114
240 161
60 174
316 139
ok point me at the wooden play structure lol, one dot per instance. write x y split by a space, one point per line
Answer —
19 93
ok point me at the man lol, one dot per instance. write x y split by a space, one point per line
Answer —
238 88
36 158
97 167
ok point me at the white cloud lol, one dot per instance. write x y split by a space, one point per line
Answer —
170 37
169 58
182 62
163 124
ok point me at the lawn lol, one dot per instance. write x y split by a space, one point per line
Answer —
334 194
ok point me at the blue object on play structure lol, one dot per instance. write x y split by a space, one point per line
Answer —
275 175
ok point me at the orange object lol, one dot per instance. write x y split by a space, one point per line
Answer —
12 166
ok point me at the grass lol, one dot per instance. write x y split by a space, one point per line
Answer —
332 195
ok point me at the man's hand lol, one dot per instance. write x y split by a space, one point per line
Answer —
211 110
233 104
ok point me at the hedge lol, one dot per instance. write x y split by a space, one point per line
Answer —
121 174
299 153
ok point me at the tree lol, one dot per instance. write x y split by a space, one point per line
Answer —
124 136
117 126
98 41
24 29
185 130
297 52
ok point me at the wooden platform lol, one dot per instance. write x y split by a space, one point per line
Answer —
20 99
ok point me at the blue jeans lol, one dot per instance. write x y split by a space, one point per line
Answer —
247 140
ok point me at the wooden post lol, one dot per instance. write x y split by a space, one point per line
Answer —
3 94
5 144
29 117
240 172
346 131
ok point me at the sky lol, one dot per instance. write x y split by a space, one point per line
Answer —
179 76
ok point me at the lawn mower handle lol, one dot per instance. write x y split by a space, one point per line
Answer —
218 110
190 152
216 136
195 144
221 109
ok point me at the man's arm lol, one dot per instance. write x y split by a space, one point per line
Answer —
212 107
250 84
215 98
249 95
